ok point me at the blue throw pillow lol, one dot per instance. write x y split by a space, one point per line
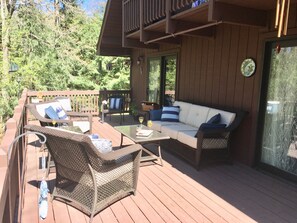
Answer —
215 119
170 114
211 126
51 113
155 115
115 103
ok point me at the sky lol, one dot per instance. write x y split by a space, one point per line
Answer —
92 5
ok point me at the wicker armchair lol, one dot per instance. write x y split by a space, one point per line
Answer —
115 105
85 178
82 120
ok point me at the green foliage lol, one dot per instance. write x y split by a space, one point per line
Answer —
59 56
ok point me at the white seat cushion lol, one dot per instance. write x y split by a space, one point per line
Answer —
157 125
197 115
83 125
172 130
226 117
188 137
184 109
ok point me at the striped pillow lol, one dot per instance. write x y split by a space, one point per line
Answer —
61 113
170 114
115 103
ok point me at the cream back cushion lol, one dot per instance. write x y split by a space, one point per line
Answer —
226 117
184 109
197 115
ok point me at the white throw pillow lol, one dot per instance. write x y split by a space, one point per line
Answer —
103 145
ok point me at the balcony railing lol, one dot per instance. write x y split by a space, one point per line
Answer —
81 101
153 11
131 14
12 163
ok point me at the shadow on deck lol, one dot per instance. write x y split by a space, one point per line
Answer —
114 120
177 192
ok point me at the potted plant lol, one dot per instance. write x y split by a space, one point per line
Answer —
133 110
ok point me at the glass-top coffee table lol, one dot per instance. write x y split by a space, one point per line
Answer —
155 137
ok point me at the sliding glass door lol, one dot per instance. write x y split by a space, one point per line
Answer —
154 83
279 139
162 79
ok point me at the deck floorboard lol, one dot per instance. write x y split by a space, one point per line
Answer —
173 193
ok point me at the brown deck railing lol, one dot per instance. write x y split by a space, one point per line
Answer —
153 11
81 101
12 169
126 94
12 163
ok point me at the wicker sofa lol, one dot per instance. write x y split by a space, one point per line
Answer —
188 140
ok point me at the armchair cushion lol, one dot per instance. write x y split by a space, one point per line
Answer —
170 114
103 145
85 126
65 103
115 103
51 113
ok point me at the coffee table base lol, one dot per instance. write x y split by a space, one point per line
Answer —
151 156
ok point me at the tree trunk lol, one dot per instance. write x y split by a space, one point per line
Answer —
57 12
5 41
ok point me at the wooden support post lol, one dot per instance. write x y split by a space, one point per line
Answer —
170 24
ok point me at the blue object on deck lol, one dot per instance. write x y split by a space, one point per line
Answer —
198 2
43 205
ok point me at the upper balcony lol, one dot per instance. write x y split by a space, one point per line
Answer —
175 192
148 23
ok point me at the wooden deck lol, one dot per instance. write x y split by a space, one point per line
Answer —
175 192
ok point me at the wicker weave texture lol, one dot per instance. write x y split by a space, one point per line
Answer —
85 178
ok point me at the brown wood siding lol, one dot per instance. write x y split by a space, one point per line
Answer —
213 77
209 73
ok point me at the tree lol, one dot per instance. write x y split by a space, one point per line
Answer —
7 9
55 49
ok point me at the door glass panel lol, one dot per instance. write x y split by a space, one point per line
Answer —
279 142
170 77
154 80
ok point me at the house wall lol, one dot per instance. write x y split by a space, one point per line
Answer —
209 73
